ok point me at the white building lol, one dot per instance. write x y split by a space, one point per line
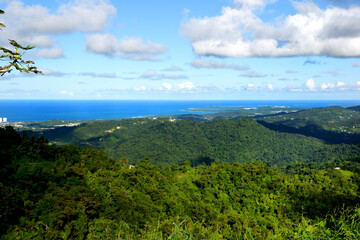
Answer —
0 120
4 119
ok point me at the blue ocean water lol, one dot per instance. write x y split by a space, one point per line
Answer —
43 110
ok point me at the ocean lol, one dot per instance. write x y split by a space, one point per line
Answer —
44 110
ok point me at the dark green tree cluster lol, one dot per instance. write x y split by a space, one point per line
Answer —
72 192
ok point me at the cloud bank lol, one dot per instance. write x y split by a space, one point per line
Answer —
37 25
239 32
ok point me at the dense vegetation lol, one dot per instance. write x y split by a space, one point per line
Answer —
332 124
72 192
243 140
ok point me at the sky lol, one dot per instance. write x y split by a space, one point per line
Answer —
185 49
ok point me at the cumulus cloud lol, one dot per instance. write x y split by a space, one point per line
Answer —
36 24
311 31
310 84
128 47
203 63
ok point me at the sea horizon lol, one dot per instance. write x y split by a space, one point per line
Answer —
21 110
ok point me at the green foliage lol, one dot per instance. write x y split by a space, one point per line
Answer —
14 57
166 143
333 124
72 192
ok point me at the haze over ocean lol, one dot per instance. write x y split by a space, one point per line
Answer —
43 110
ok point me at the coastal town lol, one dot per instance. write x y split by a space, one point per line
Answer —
37 126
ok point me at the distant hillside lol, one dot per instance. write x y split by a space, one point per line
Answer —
164 142
355 108
331 124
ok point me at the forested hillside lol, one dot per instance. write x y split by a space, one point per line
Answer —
335 119
355 108
71 192
165 142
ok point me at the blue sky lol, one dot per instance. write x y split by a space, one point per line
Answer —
188 49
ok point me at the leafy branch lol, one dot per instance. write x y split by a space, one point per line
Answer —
14 57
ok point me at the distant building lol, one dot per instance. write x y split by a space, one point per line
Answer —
0 120
4 119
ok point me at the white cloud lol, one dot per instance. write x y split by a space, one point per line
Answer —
48 72
293 88
140 89
99 75
270 86
50 53
36 24
148 74
251 4
310 84
325 86
340 84
356 64
66 93
167 86
203 63
250 87
186 86
173 69
311 31
151 74
172 77
262 88
253 75
128 47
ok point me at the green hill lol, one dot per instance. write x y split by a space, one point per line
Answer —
165 143
332 124
355 108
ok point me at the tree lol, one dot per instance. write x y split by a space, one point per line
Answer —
14 57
